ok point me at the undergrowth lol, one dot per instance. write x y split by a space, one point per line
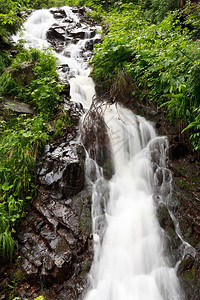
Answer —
163 60
22 138
20 146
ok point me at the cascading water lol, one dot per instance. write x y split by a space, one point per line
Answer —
128 251
129 262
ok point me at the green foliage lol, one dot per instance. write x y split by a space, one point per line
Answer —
22 138
43 91
195 129
156 10
6 242
63 120
4 60
8 85
19 148
162 60
10 22
189 18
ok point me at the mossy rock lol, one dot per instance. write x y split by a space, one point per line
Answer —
108 169
188 272
164 218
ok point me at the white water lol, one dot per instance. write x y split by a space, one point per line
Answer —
128 252
129 262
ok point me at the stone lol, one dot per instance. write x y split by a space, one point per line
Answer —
58 13
17 106
63 171
189 273
94 132
56 32
164 217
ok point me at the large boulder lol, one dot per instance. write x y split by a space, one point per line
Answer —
61 169
16 106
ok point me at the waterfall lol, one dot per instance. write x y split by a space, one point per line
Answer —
129 261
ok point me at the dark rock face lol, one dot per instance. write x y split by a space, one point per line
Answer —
189 274
58 13
54 244
61 170
54 241
172 242
60 36
96 141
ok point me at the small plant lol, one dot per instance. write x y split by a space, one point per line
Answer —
63 120
43 92
19 148
162 60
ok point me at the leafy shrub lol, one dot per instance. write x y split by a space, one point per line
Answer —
19 148
156 10
43 91
10 22
4 60
22 138
8 85
162 60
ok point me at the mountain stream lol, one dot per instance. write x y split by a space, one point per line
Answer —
130 261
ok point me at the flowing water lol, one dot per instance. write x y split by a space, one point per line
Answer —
129 261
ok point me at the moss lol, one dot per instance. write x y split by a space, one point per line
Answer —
18 276
61 246
108 169
195 178
183 183
85 214
86 266
83 274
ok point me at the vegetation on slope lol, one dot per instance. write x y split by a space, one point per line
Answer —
160 49
155 42
22 136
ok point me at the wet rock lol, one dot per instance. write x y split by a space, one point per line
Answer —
62 169
17 106
56 36
94 132
54 240
75 10
164 217
189 273
177 148
171 240
56 32
65 68
58 13
82 10
77 34
75 111
89 46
